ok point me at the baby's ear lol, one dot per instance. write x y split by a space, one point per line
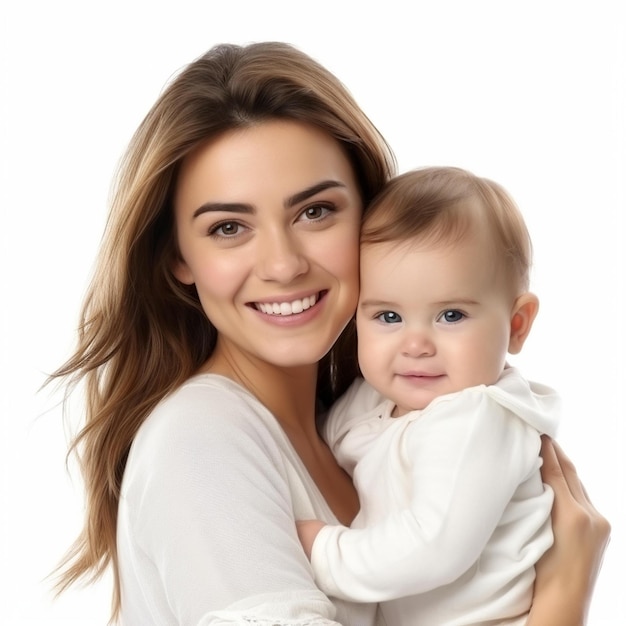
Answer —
523 315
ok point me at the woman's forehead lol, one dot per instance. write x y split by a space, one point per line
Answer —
280 157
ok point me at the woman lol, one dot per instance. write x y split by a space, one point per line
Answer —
214 333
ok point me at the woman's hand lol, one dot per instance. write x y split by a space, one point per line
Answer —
567 573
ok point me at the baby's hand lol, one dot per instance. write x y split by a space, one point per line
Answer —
307 531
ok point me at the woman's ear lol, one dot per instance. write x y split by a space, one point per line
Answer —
181 271
522 317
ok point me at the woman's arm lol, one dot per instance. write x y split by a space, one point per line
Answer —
567 573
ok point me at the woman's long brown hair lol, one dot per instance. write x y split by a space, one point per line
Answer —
141 332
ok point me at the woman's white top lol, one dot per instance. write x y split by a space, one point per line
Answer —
454 514
206 526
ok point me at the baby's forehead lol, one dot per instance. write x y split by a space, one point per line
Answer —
469 255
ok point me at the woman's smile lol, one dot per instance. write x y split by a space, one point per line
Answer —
287 307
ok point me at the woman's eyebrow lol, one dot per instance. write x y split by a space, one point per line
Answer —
309 192
291 201
232 207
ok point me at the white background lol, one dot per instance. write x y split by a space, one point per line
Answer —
529 93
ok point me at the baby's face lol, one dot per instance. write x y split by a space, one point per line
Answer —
432 319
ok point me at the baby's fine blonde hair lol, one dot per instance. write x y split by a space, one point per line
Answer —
440 205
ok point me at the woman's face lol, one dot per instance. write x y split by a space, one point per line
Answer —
268 220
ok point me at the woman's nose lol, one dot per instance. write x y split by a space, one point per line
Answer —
280 257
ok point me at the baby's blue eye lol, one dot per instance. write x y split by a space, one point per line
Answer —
451 316
389 317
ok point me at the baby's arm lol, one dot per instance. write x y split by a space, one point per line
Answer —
307 531
463 467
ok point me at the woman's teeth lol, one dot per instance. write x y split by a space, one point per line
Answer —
287 308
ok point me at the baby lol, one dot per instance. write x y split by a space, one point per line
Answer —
454 514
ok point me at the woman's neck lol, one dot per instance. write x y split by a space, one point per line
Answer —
288 393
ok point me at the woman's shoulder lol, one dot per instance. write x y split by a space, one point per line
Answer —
205 414
209 398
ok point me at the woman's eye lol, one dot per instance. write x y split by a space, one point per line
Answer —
451 316
225 229
315 212
389 317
